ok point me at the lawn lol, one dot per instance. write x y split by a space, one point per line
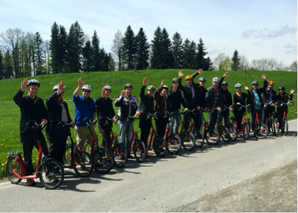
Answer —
10 114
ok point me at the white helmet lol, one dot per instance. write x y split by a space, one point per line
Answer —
56 87
33 82
108 87
87 87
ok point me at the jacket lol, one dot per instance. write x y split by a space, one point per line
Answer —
104 110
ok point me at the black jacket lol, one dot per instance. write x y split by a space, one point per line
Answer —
162 104
201 101
55 111
266 96
190 101
147 103
30 109
175 100
227 96
104 110
127 106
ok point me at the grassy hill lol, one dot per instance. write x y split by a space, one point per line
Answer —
10 115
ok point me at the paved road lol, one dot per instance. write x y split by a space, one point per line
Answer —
159 184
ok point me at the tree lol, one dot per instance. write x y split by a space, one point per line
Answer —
75 44
200 58
129 48
1 65
177 50
189 52
166 54
117 48
62 50
218 60
226 64
293 66
142 52
156 49
47 56
87 57
54 48
39 57
236 61
243 63
96 59
8 65
208 64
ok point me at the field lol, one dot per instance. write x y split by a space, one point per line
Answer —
10 115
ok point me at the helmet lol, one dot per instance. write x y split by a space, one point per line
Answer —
128 85
203 79
271 83
33 82
255 83
188 77
151 88
87 87
56 87
108 87
224 83
175 80
165 87
281 88
238 85
215 79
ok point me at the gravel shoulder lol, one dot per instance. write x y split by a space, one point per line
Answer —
275 191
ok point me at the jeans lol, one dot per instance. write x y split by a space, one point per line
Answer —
125 127
253 117
174 122
213 118
145 126
224 115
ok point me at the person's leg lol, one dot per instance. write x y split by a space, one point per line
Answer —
82 135
27 140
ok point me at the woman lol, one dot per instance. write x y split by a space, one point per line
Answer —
105 112
239 99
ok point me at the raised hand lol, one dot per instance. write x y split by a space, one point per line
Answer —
24 85
292 91
180 74
61 87
162 82
264 77
80 83
144 81
226 74
200 71
246 88
122 93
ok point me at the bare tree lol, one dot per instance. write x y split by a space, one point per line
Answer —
218 60
244 63
293 66
117 49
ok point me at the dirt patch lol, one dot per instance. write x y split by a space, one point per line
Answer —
275 191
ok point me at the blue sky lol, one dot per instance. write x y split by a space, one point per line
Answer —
256 28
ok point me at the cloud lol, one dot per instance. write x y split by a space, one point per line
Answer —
268 33
291 48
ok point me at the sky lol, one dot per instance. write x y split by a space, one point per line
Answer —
257 29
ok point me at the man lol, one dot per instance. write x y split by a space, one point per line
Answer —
256 102
269 98
146 108
214 102
58 112
283 97
33 110
175 101
84 108
128 106
227 100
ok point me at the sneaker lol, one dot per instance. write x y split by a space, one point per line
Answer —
30 182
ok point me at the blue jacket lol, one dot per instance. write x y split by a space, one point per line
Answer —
83 108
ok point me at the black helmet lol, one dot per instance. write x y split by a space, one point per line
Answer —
224 83
281 88
255 83
128 85
175 80
33 82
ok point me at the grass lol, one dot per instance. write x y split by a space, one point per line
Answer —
10 114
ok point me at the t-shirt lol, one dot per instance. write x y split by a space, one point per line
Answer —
83 108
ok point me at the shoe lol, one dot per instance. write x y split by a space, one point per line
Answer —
121 157
30 182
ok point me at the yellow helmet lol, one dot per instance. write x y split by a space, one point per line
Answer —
188 77
271 83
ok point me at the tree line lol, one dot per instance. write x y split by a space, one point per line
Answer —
27 54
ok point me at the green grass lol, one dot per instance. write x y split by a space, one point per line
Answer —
10 114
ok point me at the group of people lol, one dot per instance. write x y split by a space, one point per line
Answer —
163 104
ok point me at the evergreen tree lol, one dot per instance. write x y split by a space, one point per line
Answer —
39 57
142 50
96 60
54 48
87 57
8 65
75 44
189 53
200 58
156 49
177 50
1 65
167 57
208 64
235 61
129 48
192 53
62 50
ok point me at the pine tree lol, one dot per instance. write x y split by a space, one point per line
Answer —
189 53
39 57
62 50
235 61
87 57
156 48
177 50
192 53
75 44
129 48
96 59
54 48
167 57
1 65
142 53
8 65
200 58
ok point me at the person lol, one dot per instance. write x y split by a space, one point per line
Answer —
161 109
127 106
214 102
105 115
283 97
269 99
175 101
191 99
32 109
146 108
256 102
57 111
227 100
240 98
84 108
